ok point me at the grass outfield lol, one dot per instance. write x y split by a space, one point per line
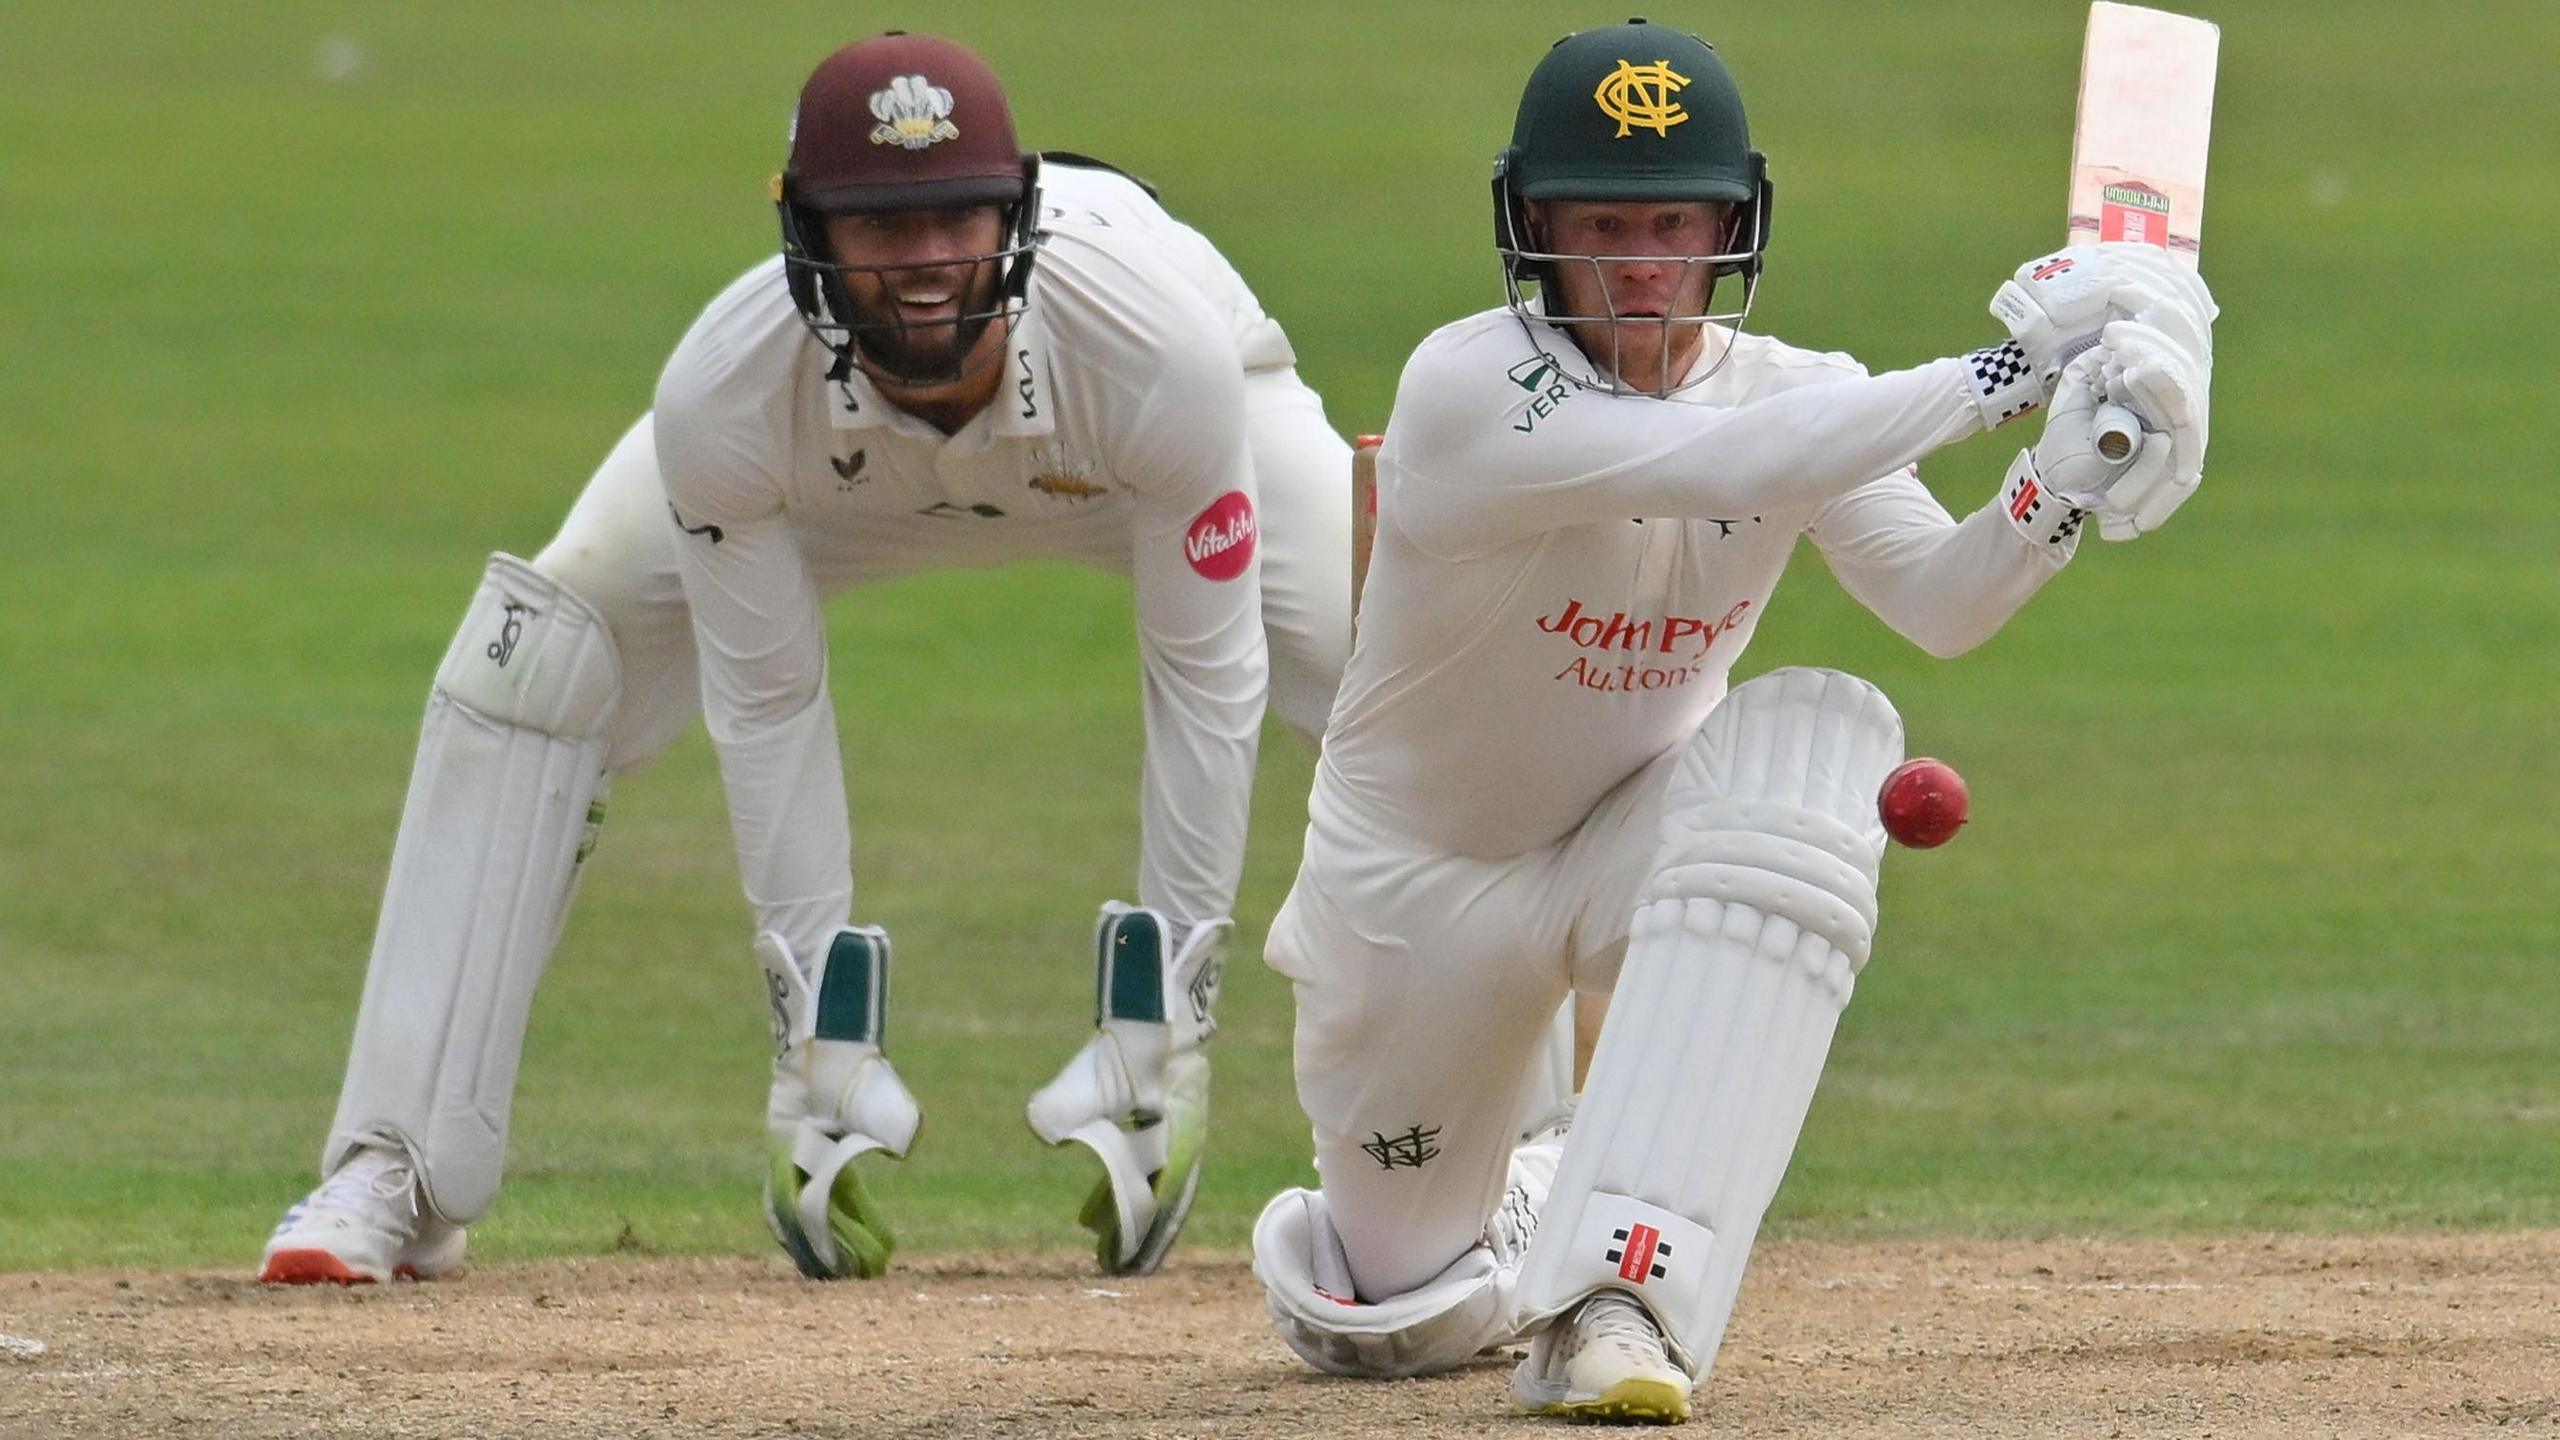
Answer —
309 306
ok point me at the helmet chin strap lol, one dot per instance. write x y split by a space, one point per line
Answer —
974 357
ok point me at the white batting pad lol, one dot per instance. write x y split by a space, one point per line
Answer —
508 783
1740 958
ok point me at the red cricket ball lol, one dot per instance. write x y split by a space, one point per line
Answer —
1922 803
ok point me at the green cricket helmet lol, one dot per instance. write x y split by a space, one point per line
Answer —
1632 112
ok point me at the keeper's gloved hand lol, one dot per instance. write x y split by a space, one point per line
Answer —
1137 1094
834 1098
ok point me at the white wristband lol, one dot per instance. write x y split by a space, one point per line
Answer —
2044 518
2005 386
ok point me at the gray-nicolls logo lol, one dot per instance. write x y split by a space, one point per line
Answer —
503 648
849 469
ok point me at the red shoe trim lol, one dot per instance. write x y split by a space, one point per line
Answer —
309 1267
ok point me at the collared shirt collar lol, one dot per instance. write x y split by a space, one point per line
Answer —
1024 403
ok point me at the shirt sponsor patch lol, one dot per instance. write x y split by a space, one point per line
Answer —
1219 542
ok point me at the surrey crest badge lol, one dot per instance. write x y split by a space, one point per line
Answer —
913 113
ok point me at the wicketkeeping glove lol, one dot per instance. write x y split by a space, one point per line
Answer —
834 1098
1137 1094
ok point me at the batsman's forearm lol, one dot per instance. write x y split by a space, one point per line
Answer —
1946 586
1466 488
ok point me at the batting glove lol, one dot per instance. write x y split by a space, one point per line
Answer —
2056 307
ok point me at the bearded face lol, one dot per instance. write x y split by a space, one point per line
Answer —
923 286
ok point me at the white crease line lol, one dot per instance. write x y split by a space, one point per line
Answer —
23 1346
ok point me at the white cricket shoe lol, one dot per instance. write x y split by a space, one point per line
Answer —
1603 1360
364 1224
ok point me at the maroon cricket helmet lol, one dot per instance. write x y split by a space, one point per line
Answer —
904 122
901 122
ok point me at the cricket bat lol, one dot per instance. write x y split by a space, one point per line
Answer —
2138 149
1364 514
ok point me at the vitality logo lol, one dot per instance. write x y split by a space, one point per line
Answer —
1220 542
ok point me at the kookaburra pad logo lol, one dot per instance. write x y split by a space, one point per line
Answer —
503 648
913 112
1640 95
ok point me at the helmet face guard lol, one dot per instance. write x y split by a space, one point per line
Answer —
1526 264
887 344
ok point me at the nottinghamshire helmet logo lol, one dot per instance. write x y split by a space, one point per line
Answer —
913 113
1639 96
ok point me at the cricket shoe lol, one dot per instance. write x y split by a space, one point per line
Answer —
1603 1360
364 1224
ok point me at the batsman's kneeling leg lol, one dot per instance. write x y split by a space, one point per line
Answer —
1306 1279
503 801
1740 959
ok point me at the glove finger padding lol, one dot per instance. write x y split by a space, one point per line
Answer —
2067 461
2166 383
1137 1093
835 1098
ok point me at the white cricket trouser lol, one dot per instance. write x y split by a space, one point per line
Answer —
1427 987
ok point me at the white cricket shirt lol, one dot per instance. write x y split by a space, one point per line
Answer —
1117 439
1563 577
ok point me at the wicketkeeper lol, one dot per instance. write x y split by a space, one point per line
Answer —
964 355
1535 782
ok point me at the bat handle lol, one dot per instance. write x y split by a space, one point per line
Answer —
2117 434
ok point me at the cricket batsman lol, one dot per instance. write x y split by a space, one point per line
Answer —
1536 784
963 356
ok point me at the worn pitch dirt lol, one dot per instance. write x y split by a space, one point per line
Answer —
2290 1336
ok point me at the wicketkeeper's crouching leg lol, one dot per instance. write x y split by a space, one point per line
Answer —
1741 957
508 787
